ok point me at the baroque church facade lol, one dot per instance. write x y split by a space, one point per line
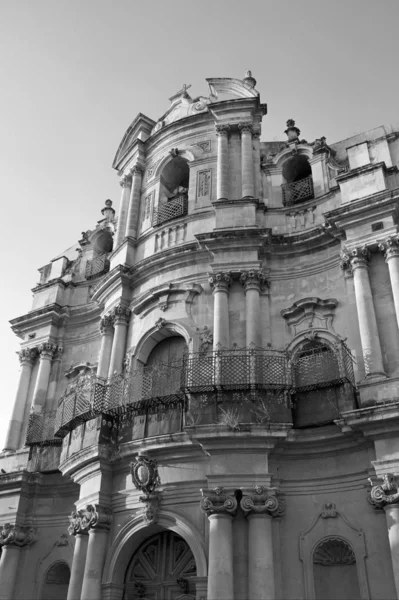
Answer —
208 402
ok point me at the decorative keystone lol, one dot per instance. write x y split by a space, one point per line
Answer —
217 501
262 500
253 280
14 535
386 493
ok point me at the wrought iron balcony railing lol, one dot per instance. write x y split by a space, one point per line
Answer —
173 209
238 371
298 191
96 267
41 429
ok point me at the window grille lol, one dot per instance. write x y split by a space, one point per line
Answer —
96 267
173 209
298 191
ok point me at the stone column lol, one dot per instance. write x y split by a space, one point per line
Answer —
54 376
220 508
247 164
134 203
220 283
256 162
260 505
107 334
12 538
77 528
357 261
98 523
253 282
26 358
126 185
222 173
390 247
386 496
46 352
121 315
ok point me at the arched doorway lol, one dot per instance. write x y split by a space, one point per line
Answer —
56 582
165 364
335 572
161 568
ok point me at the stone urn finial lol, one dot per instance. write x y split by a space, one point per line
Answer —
108 211
292 132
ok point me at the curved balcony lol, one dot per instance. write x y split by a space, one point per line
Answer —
242 384
298 191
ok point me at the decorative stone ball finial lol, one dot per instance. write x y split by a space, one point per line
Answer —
292 132
249 80
108 211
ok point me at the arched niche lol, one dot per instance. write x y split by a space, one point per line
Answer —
60 552
334 568
162 329
56 582
129 540
331 525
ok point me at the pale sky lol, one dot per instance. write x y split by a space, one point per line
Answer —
74 74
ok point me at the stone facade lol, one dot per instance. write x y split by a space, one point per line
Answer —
208 401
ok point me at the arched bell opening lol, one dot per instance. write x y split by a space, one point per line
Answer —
56 582
298 182
163 566
173 195
335 571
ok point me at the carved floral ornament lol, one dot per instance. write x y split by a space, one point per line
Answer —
222 129
27 356
220 281
385 494
93 516
14 535
245 127
253 280
356 257
390 247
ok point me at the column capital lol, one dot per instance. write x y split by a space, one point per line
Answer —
77 523
106 325
222 129
253 280
385 494
136 170
125 181
97 517
261 500
217 501
14 535
246 127
121 314
27 356
390 247
47 350
220 281
354 258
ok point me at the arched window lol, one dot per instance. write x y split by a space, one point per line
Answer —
298 185
56 582
173 197
334 570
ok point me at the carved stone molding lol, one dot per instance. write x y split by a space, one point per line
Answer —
333 551
222 129
310 312
218 501
386 493
121 314
159 323
220 281
106 325
27 356
253 280
150 509
262 500
245 127
15 535
355 258
390 247
329 511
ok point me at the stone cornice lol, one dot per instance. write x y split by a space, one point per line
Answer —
360 170
49 284
374 421
49 314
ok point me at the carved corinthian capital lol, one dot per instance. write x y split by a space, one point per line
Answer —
253 280
386 493
77 523
218 501
106 325
47 350
27 356
220 281
121 314
245 127
390 247
14 535
97 517
222 129
125 181
355 258
262 500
